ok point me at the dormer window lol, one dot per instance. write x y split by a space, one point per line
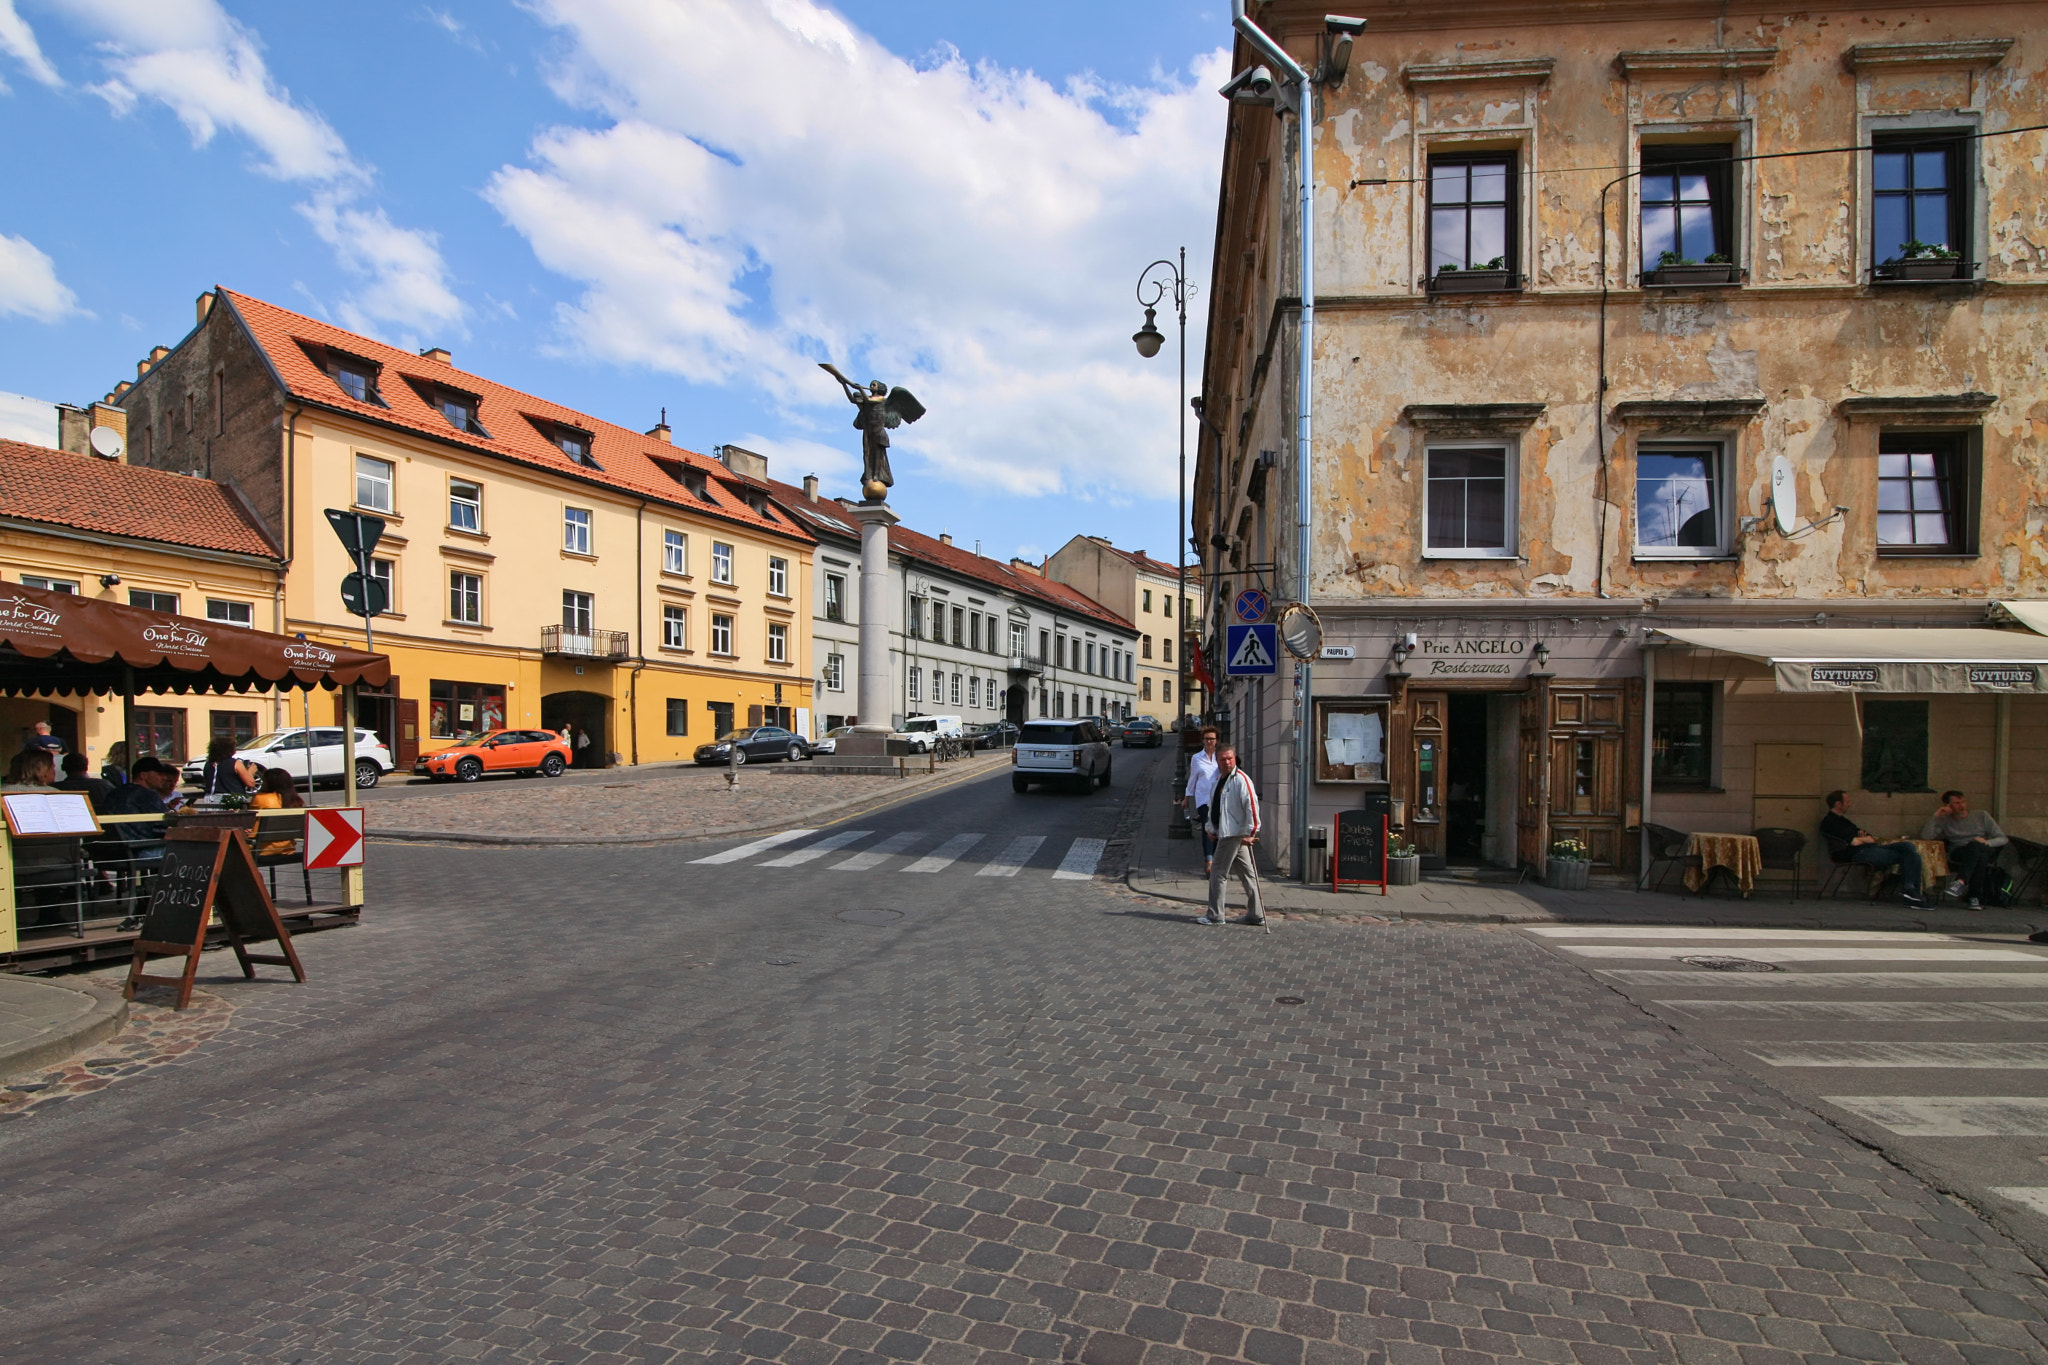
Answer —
575 444
689 477
355 377
460 410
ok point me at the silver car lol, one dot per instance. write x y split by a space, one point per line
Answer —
1069 753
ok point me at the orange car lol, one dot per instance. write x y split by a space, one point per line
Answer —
497 751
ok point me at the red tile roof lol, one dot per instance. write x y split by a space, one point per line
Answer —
628 460
1144 561
87 493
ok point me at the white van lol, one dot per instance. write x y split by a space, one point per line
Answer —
925 731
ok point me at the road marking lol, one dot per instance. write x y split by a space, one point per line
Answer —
1679 931
1876 1011
1006 863
733 855
1862 981
879 854
1938 1116
1768 953
944 856
830 844
1974 1056
1079 864
2034 1197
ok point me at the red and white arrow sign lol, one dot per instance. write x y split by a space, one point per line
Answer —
334 837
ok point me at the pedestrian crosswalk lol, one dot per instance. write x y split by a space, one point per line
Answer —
1922 1036
915 852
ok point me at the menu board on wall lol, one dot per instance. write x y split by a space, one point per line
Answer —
1351 741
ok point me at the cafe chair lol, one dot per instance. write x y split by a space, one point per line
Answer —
1667 847
2031 861
1781 850
284 832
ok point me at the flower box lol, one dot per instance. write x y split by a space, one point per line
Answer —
1924 268
1669 276
1471 281
1404 871
1566 874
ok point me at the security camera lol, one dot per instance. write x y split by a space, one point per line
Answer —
1254 85
1342 30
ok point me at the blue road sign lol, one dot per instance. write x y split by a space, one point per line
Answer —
1251 605
1251 651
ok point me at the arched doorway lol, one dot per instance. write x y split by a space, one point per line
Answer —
589 714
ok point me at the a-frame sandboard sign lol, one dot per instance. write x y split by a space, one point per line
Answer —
204 871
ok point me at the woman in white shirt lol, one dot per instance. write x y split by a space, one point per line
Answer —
1201 786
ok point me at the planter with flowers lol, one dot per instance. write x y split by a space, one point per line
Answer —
1568 866
1918 260
1676 270
1404 864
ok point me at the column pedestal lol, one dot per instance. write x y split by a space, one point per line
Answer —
877 698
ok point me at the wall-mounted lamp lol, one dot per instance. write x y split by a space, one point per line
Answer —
1400 656
1541 655
110 580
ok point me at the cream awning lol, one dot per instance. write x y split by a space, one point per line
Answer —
1903 659
2032 615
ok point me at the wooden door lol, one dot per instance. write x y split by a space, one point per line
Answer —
1586 762
1532 786
408 751
1428 736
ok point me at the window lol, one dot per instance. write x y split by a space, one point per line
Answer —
576 445
220 403
1468 502
576 530
1923 493
1682 737
465 506
939 622
1043 637
916 682
236 726
356 379
159 732
956 689
1145 645
459 708
835 674
381 572
1685 193
30 580
675 628
974 631
1166 689
678 716
675 552
153 601
778 577
835 601
959 627
1681 509
373 483
460 410
721 635
1471 213
778 643
466 598
974 690
1017 641
721 563
721 718
990 637
1166 649
233 613
188 412
1166 606
1894 746
577 611
1148 600
1917 197
1090 655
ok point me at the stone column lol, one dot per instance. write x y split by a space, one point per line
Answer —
877 698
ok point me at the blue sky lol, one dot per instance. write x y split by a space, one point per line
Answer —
627 205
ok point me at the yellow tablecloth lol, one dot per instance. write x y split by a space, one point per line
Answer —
1739 853
1933 863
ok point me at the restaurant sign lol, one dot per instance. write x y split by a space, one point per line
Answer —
1904 676
1494 657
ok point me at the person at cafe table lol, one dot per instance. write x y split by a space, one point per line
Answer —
1973 840
1849 842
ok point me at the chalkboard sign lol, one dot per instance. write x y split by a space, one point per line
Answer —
205 871
1359 855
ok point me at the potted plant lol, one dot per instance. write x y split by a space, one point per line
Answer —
1478 279
222 810
1404 864
1918 260
1674 269
1568 865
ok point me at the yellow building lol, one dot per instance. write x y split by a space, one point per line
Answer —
544 568
95 526
1141 588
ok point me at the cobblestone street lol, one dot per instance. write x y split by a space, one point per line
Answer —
613 1105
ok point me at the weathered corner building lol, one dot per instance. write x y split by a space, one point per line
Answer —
1586 275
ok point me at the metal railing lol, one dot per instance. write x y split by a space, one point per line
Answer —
591 644
1021 661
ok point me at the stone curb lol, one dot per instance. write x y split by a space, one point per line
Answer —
429 836
105 1018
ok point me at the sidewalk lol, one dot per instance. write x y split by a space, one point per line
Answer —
1171 869
43 1022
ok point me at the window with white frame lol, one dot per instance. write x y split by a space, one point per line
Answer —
675 552
373 483
721 563
1016 640
47 584
578 611
465 506
233 613
974 690
384 571
576 530
1681 501
956 689
721 634
466 598
835 601
916 682
778 643
1469 501
150 600
675 627
778 576
835 675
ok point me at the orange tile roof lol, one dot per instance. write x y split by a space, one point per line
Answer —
1144 561
628 460
88 493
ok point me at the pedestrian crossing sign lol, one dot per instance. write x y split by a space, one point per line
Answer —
1250 651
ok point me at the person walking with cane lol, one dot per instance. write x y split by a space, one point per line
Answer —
1234 815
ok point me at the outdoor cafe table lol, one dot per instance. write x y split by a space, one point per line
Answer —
1933 862
1739 853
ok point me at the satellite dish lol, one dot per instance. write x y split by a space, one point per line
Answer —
1784 495
107 441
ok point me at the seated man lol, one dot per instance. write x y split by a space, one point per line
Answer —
78 778
1973 840
1848 842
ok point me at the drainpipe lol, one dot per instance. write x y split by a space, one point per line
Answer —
1304 391
1649 760
291 490
639 631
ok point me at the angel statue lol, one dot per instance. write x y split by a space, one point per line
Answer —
876 409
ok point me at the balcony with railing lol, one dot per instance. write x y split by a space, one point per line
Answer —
589 644
1021 661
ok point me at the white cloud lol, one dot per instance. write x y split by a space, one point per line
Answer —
28 420
789 459
772 187
29 286
406 281
18 41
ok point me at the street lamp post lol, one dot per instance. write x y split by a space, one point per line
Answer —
1155 285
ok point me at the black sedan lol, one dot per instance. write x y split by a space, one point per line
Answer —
762 744
997 734
1143 732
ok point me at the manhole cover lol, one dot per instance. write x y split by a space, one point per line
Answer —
875 916
1288 1000
782 962
1730 964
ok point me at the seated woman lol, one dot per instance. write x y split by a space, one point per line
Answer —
275 790
32 770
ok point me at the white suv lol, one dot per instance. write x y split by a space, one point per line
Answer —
1073 753
319 761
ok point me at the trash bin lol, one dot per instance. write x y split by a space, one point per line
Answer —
1318 854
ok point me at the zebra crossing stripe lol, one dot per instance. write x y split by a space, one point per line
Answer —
829 844
1940 1116
880 853
1079 864
1766 952
733 855
1006 863
1869 1011
2034 1197
1692 979
1938 1056
1678 932
946 854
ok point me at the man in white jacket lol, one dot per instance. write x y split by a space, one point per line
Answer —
1234 814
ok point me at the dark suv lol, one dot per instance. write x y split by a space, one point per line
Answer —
1143 732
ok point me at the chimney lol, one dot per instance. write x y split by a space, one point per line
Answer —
114 395
811 487
439 353
945 537
740 460
205 304
659 431
148 362
1026 566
